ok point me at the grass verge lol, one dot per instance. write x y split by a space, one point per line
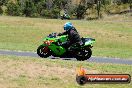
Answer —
28 72
113 38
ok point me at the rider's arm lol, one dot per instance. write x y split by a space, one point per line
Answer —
63 33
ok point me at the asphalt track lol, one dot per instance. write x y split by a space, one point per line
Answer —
92 59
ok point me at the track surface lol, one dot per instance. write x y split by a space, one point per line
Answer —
92 59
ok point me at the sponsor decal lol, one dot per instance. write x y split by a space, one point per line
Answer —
83 78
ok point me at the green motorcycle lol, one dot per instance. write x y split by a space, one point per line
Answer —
65 16
52 46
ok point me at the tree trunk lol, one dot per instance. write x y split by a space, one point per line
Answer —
130 2
99 8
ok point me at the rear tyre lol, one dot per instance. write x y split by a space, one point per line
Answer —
43 51
84 54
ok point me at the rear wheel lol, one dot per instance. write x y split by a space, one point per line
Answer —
43 51
84 54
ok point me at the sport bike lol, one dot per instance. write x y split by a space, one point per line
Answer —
66 16
53 46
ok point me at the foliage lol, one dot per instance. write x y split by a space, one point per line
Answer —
13 9
29 9
80 11
116 9
3 2
1 11
130 4
52 8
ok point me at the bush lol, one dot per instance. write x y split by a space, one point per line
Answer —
55 12
117 9
1 11
80 10
118 2
113 9
3 2
40 7
13 9
45 13
30 9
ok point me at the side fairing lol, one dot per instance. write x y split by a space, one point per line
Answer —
57 50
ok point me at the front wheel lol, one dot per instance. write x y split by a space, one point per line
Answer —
84 54
43 51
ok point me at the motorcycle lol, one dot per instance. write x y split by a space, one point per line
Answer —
53 46
65 16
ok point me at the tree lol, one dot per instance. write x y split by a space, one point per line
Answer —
30 9
49 8
1 11
41 6
82 8
13 9
130 4
124 1
99 8
121 1
80 11
55 12
3 2
49 3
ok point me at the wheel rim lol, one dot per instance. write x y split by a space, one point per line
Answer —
44 51
84 54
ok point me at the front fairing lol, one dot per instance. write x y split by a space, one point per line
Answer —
54 47
62 38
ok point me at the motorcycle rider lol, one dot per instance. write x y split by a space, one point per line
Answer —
65 14
73 35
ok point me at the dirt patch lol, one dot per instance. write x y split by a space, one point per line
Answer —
16 68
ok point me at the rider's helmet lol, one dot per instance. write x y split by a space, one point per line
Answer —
67 26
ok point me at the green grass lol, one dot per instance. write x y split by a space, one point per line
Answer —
113 38
28 72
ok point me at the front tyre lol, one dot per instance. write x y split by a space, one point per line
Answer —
43 51
84 54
